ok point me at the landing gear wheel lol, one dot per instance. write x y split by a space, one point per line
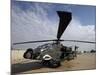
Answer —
51 63
54 63
45 63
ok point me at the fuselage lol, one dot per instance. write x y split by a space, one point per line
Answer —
49 51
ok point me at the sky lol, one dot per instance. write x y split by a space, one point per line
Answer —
39 21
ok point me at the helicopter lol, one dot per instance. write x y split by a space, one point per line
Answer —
51 54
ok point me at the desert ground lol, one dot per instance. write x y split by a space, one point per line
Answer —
85 61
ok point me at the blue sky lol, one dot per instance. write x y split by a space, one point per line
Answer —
85 13
39 21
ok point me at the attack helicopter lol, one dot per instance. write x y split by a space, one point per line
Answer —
51 54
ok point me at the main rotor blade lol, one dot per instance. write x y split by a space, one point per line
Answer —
65 18
33 41
53 40
80 41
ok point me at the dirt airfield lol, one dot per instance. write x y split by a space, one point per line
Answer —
85 61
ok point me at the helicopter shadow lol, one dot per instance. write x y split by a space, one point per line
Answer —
22 67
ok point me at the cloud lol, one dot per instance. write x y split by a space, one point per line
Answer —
77 31
36 25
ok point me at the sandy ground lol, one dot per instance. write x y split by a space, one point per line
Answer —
21 65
